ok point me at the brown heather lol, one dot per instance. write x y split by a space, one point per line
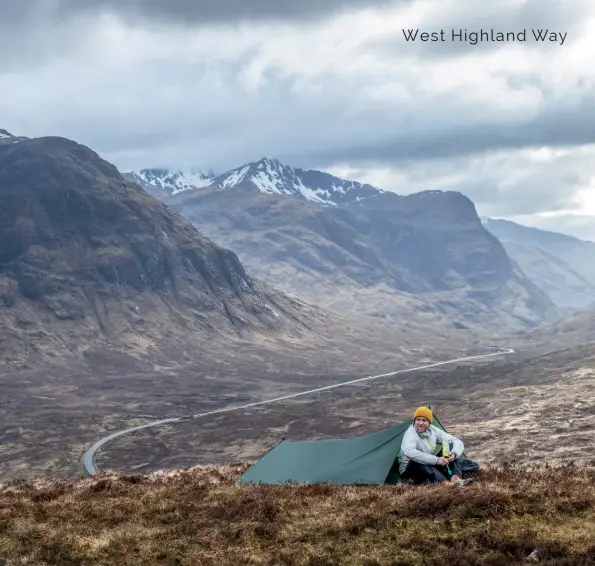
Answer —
198 516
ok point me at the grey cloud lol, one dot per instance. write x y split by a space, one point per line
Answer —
539 188
32 38
227 127
378 133
560 123
183 12
472 16
503 183
33 32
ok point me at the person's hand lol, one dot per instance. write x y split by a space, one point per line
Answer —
452 457
442 461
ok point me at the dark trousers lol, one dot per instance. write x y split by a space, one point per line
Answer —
426 473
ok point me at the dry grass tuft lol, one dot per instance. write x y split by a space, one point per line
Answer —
198 516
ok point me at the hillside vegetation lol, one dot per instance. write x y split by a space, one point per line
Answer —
199 516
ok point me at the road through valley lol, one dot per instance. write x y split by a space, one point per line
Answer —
90 454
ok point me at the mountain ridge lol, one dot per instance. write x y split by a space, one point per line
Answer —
267 175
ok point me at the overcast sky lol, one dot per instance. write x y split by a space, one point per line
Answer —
326 84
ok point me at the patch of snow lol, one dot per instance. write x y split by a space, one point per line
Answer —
190 180
141 175
172 181
267 182
310 194
235 176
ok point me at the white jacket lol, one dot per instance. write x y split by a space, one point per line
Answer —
422 447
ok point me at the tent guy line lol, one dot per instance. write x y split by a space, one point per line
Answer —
89 455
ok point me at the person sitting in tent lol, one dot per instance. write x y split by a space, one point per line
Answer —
420 459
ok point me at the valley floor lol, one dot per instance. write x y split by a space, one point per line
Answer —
522 408
200 517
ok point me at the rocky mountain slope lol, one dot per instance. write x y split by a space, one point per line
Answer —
411 258
87 256
560 265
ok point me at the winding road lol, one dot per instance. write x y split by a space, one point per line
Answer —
89 455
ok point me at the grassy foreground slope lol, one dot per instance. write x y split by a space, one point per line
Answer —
198 516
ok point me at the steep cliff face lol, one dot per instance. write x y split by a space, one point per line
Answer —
86 255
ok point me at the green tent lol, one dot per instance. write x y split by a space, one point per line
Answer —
367 459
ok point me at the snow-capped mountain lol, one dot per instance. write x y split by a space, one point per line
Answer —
267 175
271 176
162 182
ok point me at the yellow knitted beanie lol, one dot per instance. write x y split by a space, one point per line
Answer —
423 412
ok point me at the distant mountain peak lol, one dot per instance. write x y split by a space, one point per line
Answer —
161 182
269 161
269 175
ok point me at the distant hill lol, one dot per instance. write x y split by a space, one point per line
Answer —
562 266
